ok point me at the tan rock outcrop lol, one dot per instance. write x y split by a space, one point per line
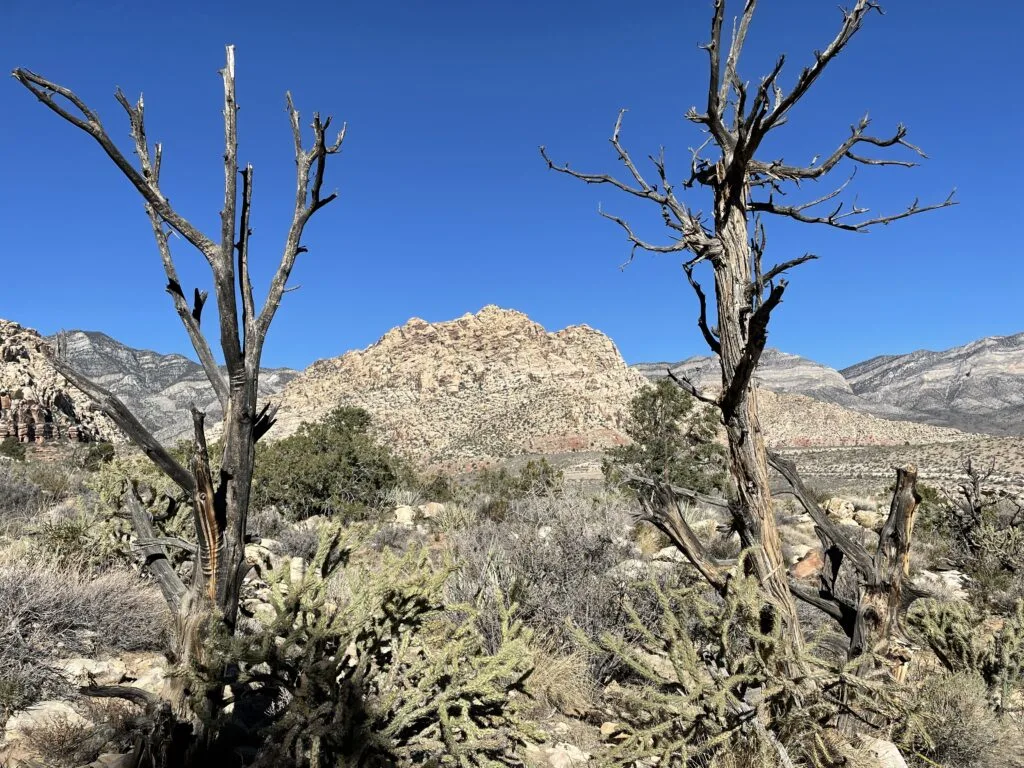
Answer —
37 404
484 386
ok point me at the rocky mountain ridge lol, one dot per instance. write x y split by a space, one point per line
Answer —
157 388
496 384
977 387
481 386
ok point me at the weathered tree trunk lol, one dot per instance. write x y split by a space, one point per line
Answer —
740 350
880 598
206 613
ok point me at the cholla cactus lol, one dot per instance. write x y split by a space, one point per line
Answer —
369 668
713 682
962 641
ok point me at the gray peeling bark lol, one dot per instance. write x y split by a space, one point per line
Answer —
736 119
220 502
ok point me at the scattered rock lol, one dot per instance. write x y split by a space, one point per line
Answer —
85 671
39 716
431 510
564 755
611 731
884 752
871 520
112 760
669 554
635 570
798 552
950 584
405 516
809 565
840 509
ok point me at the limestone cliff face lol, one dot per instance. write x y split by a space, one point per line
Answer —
37 404
484 386
977 387
157 388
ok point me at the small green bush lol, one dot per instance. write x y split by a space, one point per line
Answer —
673 441
335 466
12 449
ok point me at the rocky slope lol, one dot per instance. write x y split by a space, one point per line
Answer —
496 384
978 387
156 388
37 404
782 372
488 385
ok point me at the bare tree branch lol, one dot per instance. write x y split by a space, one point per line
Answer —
757 337
661 507
702 321
858 555
837 218
244 277
44 90
151 170
308 201
152 548
853 19
687 386
779 170
224 268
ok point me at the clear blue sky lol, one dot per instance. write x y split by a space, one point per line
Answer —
445 205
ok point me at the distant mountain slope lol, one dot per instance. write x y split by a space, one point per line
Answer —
156 388
781 372
976 387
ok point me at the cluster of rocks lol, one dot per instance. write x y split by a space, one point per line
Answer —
37 404
28 421
149 672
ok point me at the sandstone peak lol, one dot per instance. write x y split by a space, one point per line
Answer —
481 386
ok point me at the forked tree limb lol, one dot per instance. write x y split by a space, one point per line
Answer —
89 122
151 166
661 508
702 319
859 557
308 200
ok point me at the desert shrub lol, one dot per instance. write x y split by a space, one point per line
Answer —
672 441
62 742
12 449
20 498
370 668
965 640
335 466
53 610
57 480
537 477
265 521
953 725
716 680
95 455
559 559
301 542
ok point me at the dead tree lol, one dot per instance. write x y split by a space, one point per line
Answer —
220 502
736 119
